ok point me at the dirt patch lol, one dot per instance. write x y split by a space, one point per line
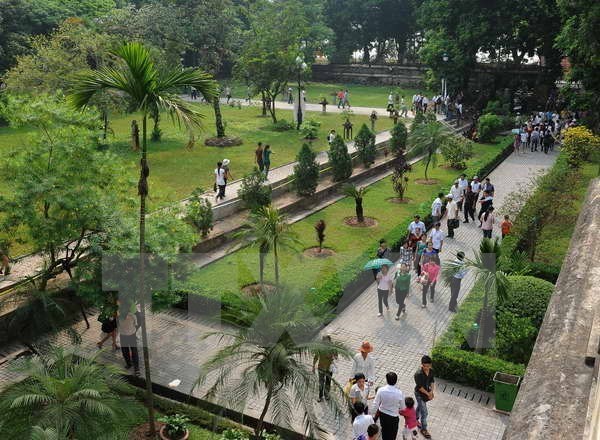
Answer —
427 182
225 141
399 200
255 288
369 222
313 252
141 432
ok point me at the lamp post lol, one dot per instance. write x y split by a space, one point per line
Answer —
300 67
445 83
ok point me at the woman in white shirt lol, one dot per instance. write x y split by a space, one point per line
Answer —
360 390
220 181
384 285
487 222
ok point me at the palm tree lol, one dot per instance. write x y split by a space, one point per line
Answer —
64 396
426 139
266 348
357 194
268 230
492 280
148 91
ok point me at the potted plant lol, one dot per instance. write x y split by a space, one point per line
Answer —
174 428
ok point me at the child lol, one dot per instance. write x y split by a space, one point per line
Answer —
506 226
411 425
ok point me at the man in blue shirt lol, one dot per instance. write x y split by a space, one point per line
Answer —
456 280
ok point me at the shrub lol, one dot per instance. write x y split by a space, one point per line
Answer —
199 213
528 297
488 126
176 425
497 107
253 192
306 172
578 144
339 159
237 434
399 137
456 151
418 120
282 125
310 128
365 145
515 337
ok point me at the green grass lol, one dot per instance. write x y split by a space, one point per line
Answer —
360 95
553 242
241 268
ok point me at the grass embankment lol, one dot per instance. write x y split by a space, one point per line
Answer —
241 268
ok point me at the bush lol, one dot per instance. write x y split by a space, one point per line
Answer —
488 126
515 337
237 434
282 125
544 271
528 297
306 172
253 192
578 144
199 213
497 107
339 159
365 145
456 151
310 128
399 137
418 120
176 425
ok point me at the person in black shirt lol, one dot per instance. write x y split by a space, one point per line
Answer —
424 384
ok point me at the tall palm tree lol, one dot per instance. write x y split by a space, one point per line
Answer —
149 91
426 139
266 349
64 396
492 280
268 230
357 194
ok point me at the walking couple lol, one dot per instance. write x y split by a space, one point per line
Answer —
263 158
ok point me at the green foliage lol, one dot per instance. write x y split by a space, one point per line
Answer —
528 298
306 172
426 138
175 425
417 121
309 129
399 137
339 159
488 126
456 151
365 145
515 337
254 192
497 107
199 213
237 434
282 125
579 143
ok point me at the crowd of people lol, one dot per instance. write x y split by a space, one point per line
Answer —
541 131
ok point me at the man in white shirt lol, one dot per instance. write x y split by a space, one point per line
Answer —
362 421
363 362
475 185
436 208
457 193
389 400
462 184
416 224
452 212
437 238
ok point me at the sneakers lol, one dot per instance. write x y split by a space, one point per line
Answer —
397 317
379 315
423 306
425 433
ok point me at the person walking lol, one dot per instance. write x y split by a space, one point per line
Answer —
411 424
456 280
228 175
524 135
290 92
258 157
406 254
372 433
228 93
389 401
267 159
382 252
402 287
486 202
420 248
436 208
452 221
488 187
469 202
128 327
220 181
429 276
340 96
361 420
359 392
506 226
331 137
4 260
403 108
487 222
109 329
363 363
424 392
457 193
416 228
324 362
535 139
437 237
384 285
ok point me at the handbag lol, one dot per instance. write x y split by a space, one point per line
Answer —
455 223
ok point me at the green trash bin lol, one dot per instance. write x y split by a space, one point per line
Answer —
506 387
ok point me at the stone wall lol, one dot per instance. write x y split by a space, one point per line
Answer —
558 397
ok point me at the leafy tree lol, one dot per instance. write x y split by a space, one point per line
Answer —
253 191
64 396
306 172
399 138
320 229
199 213
399 178
357 194
426 139
270 347
488 126
268 230
365 145
339 159
456 151
149 91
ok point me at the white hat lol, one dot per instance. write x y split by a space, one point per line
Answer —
449 196
475 177
226 162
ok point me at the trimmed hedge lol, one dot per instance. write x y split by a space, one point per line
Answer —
528 298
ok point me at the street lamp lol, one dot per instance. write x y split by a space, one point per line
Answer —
300 67
445 83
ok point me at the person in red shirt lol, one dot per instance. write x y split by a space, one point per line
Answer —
430 272
506 226
411 425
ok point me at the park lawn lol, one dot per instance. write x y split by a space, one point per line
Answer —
241 268
553 243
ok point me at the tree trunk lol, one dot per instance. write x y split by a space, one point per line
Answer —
261 269
272 110
264 104
143 193
261 419
218 118
427 166
105 124
276 263
359 211
482 326
87 323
